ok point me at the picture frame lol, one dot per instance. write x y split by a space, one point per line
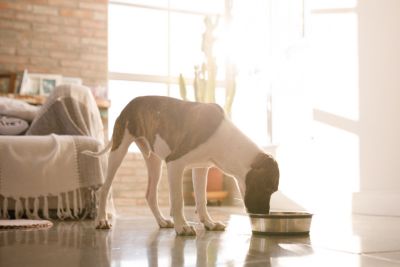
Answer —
42 84
7 83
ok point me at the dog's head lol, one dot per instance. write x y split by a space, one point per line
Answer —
261 181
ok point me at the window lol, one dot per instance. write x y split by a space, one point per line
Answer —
151 42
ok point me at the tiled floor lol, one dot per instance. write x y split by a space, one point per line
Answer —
136 241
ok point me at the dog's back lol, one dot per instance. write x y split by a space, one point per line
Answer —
181 124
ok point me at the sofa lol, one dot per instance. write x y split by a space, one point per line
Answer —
43 173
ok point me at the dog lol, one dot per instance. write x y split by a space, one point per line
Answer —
187 135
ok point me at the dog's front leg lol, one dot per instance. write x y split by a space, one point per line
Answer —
175 177
199 177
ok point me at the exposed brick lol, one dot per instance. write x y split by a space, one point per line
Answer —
97 1
49 28
15 6
7 14
95 82
67 40
16 25
28 51
68 37
93 24
93 6
73 63
39 68
68 21
77 13
21 42
64 3
7 50
95 49
44 61
6 59
38 2
42 36
100 16
71 72
131 181
45 10
94 41
93 74
63 55
94 58
70 31
93 33
43 44
29 17
7 33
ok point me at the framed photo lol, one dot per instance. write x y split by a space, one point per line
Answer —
7 83
42 84
47 86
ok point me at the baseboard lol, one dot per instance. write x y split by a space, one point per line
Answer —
377 203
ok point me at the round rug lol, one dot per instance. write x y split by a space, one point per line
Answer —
24 224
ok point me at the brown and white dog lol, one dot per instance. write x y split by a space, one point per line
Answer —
188 135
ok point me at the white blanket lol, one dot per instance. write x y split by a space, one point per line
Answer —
47 162
34 168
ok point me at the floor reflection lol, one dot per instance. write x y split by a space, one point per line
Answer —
229 248
64 244
136 240
265 249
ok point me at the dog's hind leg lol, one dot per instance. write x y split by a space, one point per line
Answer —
114 161
199 177
154 163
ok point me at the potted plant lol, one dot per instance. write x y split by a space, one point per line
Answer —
204 86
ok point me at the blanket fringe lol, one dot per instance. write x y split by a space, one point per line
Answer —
4 212
18 208
80 204
67 211
45 208
75 204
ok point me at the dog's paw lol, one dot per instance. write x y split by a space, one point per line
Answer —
214 226
166 223
103 224
185 230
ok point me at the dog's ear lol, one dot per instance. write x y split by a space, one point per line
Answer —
258 193
265 166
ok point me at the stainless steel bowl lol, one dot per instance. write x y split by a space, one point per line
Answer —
281 223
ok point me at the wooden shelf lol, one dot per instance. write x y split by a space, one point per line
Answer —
39 100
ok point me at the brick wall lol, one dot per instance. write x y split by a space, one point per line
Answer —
130 183
67 37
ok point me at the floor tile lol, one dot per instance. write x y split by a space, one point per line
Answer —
356 233
387 256
136 240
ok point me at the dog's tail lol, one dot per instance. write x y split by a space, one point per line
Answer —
99 153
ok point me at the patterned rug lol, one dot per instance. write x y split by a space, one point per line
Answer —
25 224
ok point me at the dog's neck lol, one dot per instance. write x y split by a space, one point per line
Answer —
236 152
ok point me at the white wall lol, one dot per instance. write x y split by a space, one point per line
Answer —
345 157
379 52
